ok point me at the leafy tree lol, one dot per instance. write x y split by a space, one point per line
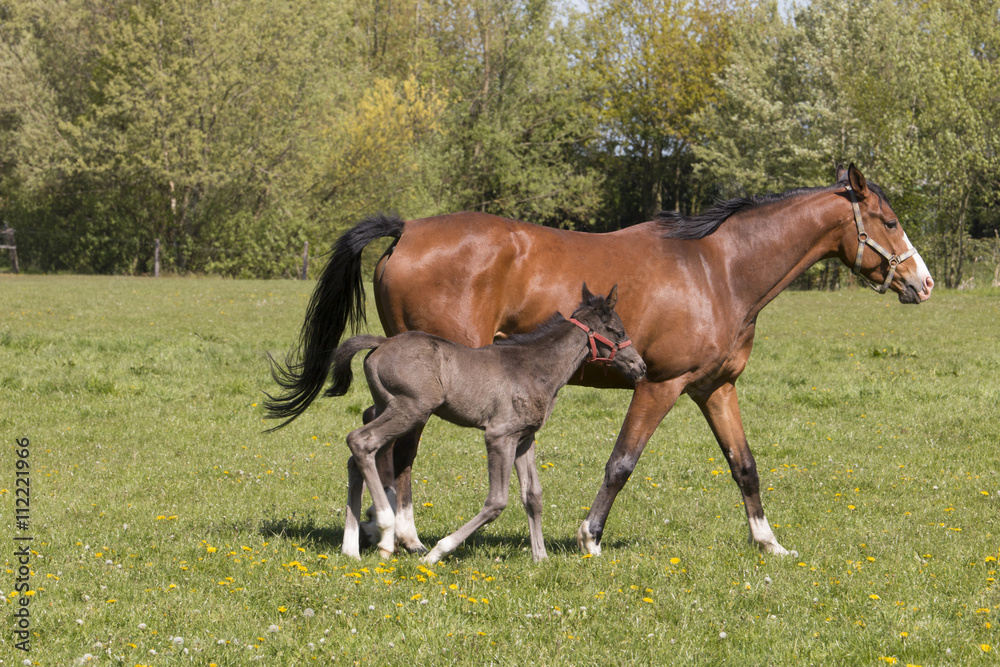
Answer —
656 62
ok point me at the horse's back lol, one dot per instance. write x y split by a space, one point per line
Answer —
469 276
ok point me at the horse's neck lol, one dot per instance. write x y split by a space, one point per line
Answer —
559 358
767 248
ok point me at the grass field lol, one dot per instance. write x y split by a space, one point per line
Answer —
167 528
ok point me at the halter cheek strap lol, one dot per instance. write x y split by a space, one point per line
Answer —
594 338
864 239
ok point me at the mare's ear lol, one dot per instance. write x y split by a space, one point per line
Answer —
857 181
587 295
841 173
612 296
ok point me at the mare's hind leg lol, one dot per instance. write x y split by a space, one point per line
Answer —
531 494
500 453
722 411
650 403
355 487
403 453
364 443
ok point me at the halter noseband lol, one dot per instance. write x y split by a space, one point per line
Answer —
594 338
864 239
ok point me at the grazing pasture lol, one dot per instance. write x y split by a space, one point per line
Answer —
167 528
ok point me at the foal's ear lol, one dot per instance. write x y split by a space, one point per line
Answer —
857 181
841 173
587 294
612 296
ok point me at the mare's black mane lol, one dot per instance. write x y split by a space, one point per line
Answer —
676 225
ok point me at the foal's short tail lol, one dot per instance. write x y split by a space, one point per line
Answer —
339 299
342 375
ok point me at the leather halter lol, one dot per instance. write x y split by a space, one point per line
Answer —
864 239
595 338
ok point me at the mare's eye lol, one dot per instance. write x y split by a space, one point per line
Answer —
891 224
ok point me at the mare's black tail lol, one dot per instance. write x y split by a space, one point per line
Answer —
339 299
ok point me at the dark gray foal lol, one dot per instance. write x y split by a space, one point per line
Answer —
507 389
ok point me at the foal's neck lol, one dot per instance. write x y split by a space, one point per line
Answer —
559 357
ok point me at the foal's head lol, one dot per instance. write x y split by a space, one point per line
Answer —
609 343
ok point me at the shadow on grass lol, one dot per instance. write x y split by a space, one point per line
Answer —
494 544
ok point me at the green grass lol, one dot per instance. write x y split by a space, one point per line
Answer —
157 500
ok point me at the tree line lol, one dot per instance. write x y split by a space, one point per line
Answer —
235 130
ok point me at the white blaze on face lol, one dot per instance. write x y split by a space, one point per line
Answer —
923 274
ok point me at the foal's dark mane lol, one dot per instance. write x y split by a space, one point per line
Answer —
675 225
597 302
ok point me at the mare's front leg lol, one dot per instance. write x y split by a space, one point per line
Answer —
722 411
531 494
650 404
500 452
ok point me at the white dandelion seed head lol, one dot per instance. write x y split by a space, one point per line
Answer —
371 607
354 631
178 641
79 621
308 613
273 628
722 635
142 626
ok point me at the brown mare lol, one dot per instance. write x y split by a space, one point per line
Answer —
690 290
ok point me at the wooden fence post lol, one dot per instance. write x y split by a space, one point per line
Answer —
156 259
305 262
8 236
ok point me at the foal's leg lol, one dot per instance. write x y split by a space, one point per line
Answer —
364 443
650 403
500 453
722 411
394 468
531 494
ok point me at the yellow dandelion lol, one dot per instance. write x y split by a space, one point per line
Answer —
874 597
985 648
282 609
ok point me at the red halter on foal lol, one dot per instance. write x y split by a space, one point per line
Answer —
595 338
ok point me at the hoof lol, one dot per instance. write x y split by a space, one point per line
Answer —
588 545
417 548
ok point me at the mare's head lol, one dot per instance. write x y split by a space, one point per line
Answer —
875 245
608 341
